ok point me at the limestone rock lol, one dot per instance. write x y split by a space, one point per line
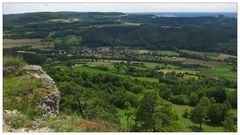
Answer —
50 103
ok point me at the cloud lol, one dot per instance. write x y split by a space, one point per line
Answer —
12 8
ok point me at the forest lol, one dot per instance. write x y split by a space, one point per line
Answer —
117 29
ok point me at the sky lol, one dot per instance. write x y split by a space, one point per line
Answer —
15 8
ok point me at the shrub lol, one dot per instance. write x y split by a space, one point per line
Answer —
185 114
16 121
180 99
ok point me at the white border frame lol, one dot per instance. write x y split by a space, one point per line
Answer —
116 1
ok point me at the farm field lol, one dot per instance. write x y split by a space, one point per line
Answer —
192 72
216 69
34 43
168 53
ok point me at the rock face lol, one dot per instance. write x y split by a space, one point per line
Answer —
50 103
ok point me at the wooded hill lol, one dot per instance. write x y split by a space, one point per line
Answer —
216 34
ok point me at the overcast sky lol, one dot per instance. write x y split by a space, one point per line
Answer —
13 8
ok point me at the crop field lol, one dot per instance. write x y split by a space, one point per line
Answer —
211 54
197 62
105 64
149 64
35 43
225 56
193 52
168 53
69 20
180 71
140 51
216 69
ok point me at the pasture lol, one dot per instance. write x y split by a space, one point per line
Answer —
186 125
215 69
219 69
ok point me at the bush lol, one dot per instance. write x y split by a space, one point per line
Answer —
185 114
16 121
229 124
180 99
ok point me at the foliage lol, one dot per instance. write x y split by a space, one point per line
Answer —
67 42
190 33
229 124
154 114
199 113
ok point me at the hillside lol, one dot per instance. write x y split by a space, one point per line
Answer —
31 102
216 34
119 72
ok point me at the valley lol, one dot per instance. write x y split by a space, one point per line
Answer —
120 72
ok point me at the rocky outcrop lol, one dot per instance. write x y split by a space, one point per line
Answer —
50 103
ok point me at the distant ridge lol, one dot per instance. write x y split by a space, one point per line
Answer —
188 14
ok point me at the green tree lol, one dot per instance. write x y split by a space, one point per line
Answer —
154 114
229 124
232 98
216 113
199 113
193 99
49 61
72 93
185 113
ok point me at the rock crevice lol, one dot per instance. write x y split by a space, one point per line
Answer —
50 103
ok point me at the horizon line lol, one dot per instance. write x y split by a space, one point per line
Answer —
124 12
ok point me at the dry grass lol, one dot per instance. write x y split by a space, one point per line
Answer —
197 62
223 56
193 52
180 71
35 43
173 59
140 51
69 20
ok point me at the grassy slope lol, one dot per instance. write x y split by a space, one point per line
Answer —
186 125
93 70
219 69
